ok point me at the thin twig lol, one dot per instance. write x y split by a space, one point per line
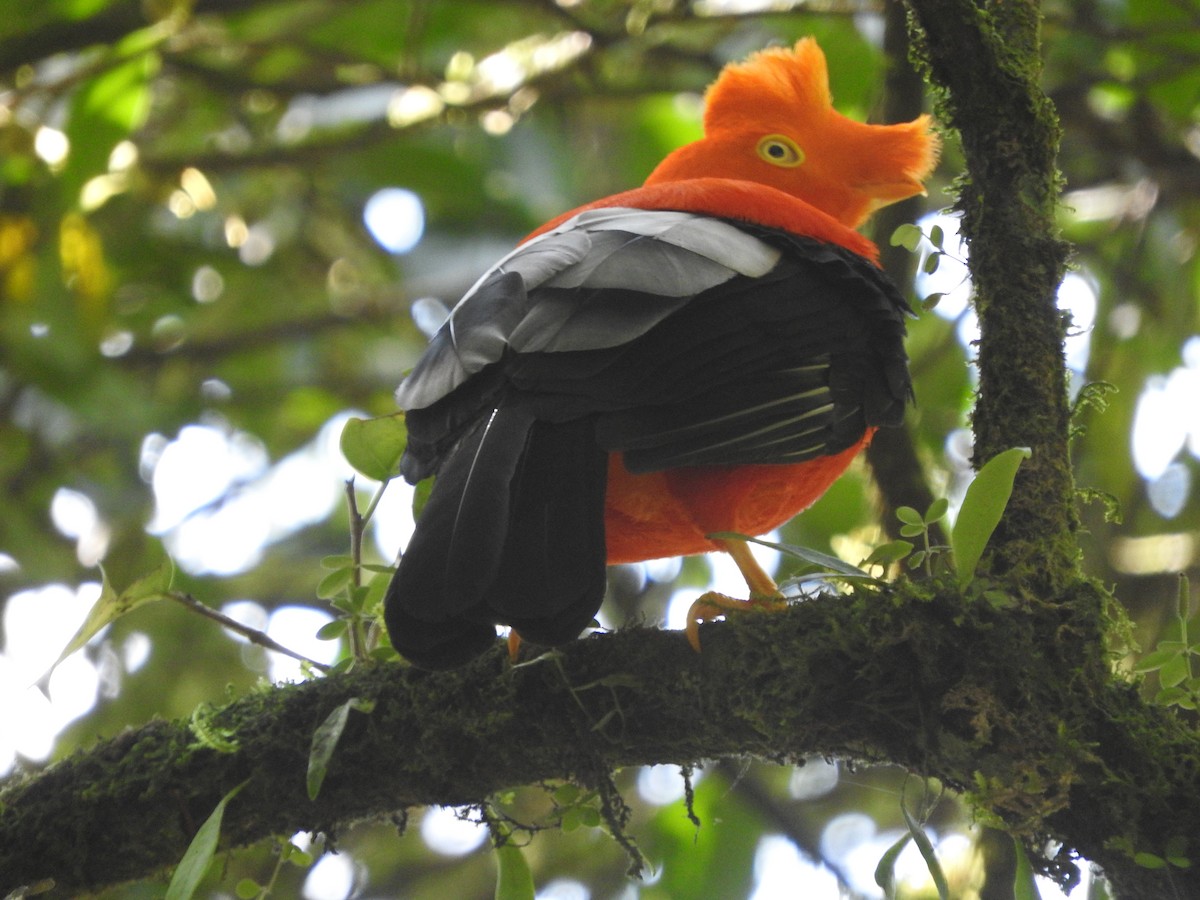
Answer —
357 524
253 635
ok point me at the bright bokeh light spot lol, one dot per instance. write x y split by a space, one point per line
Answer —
72 513
392 525
257 245
135 652
781 871
330 878
396 219
564 889
1082 891
198 468
1077 296
816 778
51 146
845 833
445 833
663 570
1167 420
245 612
73 687
428 314
75 516
218 503
1160 428
1169 492
295 627
223 542
664 784
207 284
38 623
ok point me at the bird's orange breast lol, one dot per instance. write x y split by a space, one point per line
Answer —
668 513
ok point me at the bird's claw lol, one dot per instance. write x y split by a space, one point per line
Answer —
712 606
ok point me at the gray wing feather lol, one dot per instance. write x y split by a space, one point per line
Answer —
543 295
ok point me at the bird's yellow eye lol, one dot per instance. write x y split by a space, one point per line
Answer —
780 150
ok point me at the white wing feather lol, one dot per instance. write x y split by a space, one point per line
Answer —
666 257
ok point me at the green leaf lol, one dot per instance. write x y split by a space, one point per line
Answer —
421 493
816 557
192 868
981 510
937 510
1176 852
1172 696
907 236
331 631
885 871
926 847
1174 671
514 879
1024 885
376 589
248 889
932 261
937 237
374 446
335 582
886 554
1149 861
110 606
325 740
1156 659
300 858
909 516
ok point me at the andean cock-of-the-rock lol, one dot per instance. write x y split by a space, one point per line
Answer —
705 353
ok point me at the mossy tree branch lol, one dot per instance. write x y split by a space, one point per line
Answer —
944 685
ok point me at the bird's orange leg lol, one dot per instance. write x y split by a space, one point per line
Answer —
764 593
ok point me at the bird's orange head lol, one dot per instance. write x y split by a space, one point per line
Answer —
771 120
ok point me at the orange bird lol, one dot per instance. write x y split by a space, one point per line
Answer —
705 353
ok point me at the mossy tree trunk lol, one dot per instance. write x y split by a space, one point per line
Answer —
984 58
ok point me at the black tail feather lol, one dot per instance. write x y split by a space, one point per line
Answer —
513 534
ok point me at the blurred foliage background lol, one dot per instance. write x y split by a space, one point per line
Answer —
222 225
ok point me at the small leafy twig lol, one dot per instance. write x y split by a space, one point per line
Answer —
909 237
358 524
916 525
373 447
1173 659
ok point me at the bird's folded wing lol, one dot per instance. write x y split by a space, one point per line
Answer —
550 293
782 349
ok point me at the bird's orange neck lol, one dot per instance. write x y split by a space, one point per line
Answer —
728 198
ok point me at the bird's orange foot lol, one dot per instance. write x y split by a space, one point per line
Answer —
712 606
764 594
